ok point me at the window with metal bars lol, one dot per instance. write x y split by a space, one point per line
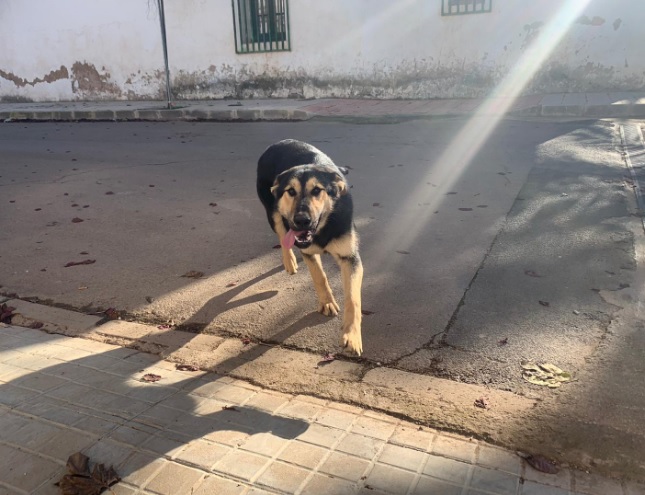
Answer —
261 26
461 7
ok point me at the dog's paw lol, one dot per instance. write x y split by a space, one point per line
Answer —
353 342
329 309
290 262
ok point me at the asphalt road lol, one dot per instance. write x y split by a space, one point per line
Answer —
476 257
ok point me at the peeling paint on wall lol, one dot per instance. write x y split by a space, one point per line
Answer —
20 82
88 81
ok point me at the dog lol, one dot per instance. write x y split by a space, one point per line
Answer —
309 206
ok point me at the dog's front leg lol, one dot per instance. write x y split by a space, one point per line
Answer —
351 270
288 258
328 305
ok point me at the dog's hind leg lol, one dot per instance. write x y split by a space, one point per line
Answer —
328 305
351 270
288 258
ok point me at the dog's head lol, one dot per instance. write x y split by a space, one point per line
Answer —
306 196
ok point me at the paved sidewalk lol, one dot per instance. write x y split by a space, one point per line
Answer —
577 105
202 433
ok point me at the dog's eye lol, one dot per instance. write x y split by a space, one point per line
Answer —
291 192
316 191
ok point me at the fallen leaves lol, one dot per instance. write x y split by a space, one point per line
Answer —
193 274
403 252
84 262
366 312
6 313
465 209
77 220
230 408
82 481
111 314
327 359
546 304
150 377
541 463
532 273
544 374
231 284
186 367
482 403
502 342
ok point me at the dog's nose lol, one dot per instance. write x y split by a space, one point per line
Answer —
301 220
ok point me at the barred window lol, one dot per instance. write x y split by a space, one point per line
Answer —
261 26
460 7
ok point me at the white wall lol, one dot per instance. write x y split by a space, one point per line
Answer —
111 49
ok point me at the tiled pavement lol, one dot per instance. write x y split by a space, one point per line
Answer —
200 433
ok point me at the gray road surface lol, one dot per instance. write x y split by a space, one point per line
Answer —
460 243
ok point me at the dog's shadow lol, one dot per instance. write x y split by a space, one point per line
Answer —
226 301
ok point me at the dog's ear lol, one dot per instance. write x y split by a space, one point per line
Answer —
337 186
274 188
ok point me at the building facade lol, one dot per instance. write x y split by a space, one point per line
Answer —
112 49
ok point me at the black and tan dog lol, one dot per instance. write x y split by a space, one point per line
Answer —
309 206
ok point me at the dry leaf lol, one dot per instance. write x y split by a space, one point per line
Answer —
532 273
84 262
231 284
403 252
277 246
187 367
6 313
502 342
366 312
78 464
230 408
542 464
112 314
545 303
193 274
77 220
482 402
150 377
465 209
81 482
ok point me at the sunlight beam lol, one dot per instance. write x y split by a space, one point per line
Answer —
459 154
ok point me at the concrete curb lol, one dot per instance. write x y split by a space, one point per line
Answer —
584 111
162 115
295 114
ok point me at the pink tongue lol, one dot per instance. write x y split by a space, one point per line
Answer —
290 239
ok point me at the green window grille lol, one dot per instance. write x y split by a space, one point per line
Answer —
461 7
261 26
